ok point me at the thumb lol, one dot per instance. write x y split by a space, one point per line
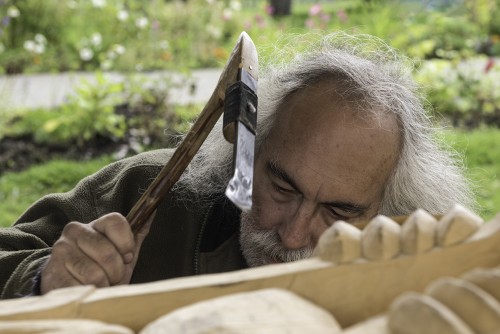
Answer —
139 238
144 231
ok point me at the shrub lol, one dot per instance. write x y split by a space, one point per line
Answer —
467 92
134 111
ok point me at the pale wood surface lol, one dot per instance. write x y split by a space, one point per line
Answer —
479 310
417 314
272 311
55 326
61 303
352 293
418 233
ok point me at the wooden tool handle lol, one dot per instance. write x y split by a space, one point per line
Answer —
244 53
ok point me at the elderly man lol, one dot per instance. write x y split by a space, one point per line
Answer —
342 135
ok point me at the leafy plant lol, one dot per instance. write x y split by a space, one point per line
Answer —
467 92
90 112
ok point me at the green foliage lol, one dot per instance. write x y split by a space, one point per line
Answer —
19 190
90 112
133 35
467 92
481 150
136 111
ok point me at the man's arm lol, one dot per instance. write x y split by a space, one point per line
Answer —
26 247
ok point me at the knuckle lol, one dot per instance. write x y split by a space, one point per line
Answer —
61 248
97 278
109 257
114 219
73 229
89 274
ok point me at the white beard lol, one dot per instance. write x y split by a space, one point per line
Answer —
262 247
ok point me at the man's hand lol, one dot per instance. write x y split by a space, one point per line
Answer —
103 253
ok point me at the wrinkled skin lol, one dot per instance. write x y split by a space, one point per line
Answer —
103 253
319 165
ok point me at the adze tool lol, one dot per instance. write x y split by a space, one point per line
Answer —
236 96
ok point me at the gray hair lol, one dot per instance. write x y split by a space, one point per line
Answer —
373 77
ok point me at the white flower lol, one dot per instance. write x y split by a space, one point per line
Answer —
141 22
122 15
164 44
119 49
96 39
139 67
106 65
29 45
111 54
227 14
99 3
210 2
12 11
214 31
235 5
86 54
40 39
39 49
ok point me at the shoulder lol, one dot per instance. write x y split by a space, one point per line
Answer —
136 171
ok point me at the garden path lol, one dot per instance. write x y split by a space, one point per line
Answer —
50 90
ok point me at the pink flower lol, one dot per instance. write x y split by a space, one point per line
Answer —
325 17
315 9
342 16
489 65
247 25
309 23
270 10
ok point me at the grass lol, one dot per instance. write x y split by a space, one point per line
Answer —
481 152
480 148
19 190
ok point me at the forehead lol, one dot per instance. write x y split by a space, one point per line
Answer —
319 139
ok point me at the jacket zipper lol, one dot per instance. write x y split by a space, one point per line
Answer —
196 259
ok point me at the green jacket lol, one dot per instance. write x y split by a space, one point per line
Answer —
184 239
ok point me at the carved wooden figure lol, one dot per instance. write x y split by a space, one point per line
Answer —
426 276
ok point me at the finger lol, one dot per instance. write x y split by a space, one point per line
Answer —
94 256
54 276
117 229
87 271
51 281
139 238
59 271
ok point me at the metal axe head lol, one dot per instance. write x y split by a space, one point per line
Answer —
240 122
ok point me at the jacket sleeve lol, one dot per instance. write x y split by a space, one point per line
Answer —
26 245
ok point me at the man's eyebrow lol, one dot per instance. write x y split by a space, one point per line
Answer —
281 174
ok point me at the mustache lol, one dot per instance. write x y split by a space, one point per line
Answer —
268 243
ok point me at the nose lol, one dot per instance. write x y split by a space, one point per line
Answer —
297 231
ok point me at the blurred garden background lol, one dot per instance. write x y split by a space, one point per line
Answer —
455 46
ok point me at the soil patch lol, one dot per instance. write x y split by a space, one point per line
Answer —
17 154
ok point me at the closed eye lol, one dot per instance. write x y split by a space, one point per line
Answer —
282 189
344 213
